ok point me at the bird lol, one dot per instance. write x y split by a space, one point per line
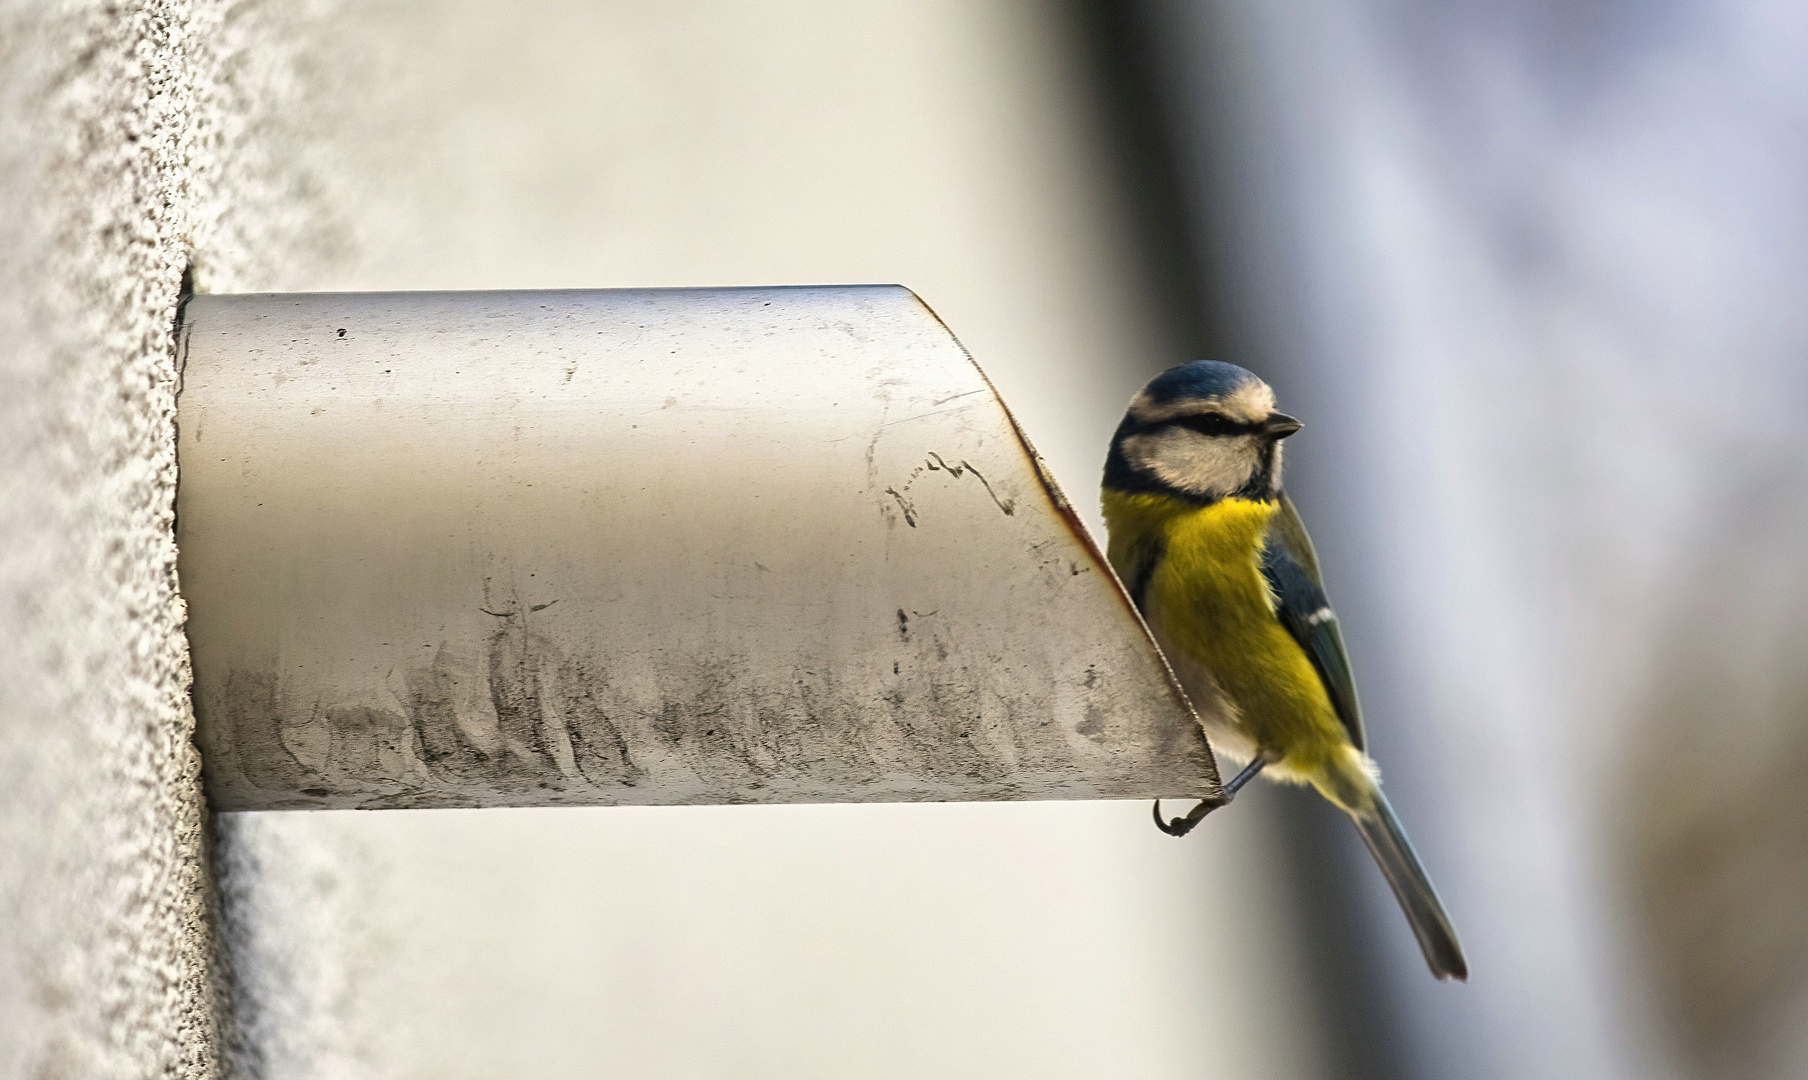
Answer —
1216 559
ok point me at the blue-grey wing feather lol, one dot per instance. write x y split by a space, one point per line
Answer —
1142 560
1291 567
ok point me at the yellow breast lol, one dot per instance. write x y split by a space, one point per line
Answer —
1208 602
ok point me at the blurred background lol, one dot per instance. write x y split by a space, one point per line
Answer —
1534 273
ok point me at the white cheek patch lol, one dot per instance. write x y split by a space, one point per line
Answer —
1208 466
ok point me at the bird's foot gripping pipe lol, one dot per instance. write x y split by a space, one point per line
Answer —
1180 826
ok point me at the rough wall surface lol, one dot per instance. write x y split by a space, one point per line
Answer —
110 118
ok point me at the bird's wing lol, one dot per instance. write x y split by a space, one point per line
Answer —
1292 571
1135 564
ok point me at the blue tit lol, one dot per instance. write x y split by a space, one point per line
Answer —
1216 559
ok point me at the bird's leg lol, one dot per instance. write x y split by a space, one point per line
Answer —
1250 771
1180 826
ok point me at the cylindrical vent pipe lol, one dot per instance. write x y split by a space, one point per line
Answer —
640 546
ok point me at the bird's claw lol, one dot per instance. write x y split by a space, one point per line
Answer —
1180 826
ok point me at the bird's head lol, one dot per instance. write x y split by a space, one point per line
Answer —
1203 431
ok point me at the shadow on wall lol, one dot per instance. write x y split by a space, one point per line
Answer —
1717 810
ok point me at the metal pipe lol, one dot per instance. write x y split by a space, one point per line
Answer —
640 546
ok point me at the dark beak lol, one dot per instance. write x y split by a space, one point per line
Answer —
1280 425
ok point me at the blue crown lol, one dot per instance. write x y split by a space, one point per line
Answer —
1199 379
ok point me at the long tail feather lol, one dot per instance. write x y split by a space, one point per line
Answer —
1387 841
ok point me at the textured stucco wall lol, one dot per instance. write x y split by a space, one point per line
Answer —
129 136
108 116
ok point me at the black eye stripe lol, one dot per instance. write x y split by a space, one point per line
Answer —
1214 424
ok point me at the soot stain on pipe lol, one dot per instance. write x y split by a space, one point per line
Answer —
491 729
548 706
442 744
368 744
716 731
711 728
515 693
699 731
597 743
253 714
